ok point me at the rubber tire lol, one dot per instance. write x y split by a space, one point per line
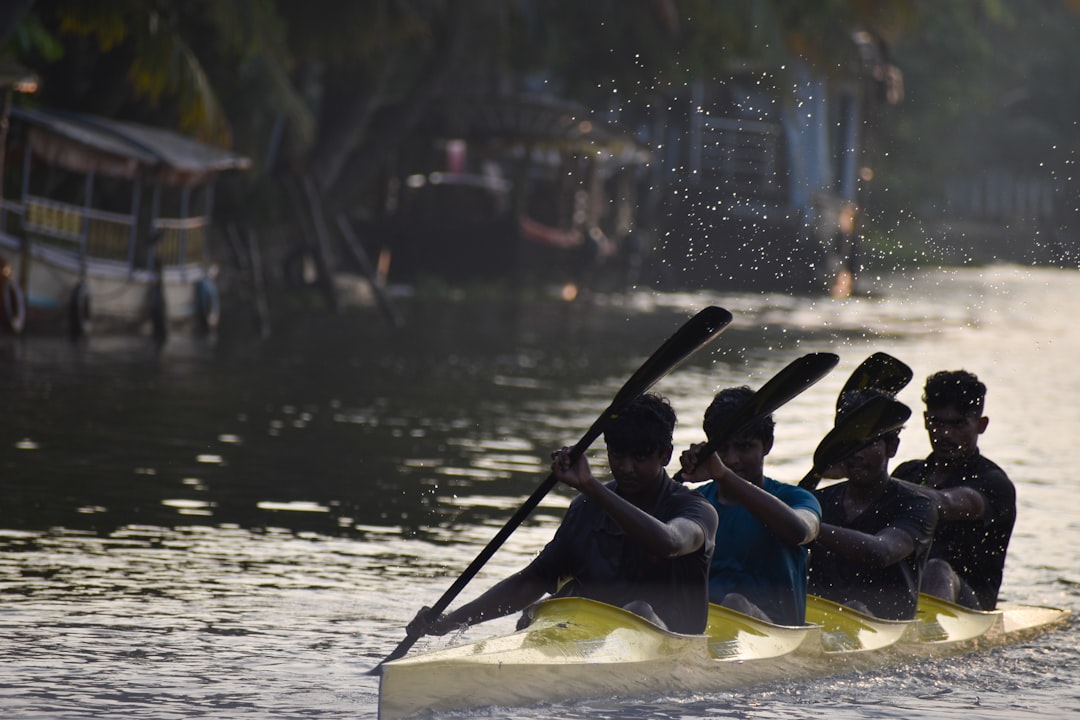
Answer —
207 305
12 306
80 312
158 315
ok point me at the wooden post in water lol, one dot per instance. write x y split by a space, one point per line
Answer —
248 261
258 285
352 242
322 241
310 220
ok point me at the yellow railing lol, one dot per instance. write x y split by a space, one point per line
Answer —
110 239
172 231
54 218
108 235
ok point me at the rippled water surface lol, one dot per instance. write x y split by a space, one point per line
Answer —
242 529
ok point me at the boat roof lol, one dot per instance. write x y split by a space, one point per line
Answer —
118 148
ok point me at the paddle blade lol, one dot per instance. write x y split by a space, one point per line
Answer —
872 419
880 371
796 377
688 339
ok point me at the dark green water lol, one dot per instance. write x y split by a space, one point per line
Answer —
239 529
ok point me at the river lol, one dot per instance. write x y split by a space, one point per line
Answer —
240 528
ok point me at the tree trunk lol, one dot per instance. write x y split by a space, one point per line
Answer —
367 159
347 116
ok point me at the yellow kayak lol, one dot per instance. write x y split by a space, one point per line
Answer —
577 648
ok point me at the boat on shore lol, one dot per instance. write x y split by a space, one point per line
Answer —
108 225
577 649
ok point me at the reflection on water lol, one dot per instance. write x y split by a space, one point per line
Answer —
240 529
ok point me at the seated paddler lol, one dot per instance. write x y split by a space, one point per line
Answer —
759 566
875 532
639 541
976 500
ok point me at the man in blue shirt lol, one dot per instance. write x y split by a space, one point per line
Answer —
759 565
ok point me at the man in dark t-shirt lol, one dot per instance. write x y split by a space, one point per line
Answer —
875 533
886 591
641 541
605 563
976 501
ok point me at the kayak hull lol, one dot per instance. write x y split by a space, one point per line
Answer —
577 649
846 630
939 621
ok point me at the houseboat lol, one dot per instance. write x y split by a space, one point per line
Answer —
522 188
104 225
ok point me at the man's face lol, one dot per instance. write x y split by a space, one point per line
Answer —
637 474
871 462
954 435
745 456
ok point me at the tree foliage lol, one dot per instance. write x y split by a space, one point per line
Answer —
990 86
329 89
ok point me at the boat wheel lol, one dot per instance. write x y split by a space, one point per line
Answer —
12 303
207 305
158 312
79 315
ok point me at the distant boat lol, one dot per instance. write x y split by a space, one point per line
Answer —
530 189
107 226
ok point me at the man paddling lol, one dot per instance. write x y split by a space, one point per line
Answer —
641 541
875 532
975 499
759 565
